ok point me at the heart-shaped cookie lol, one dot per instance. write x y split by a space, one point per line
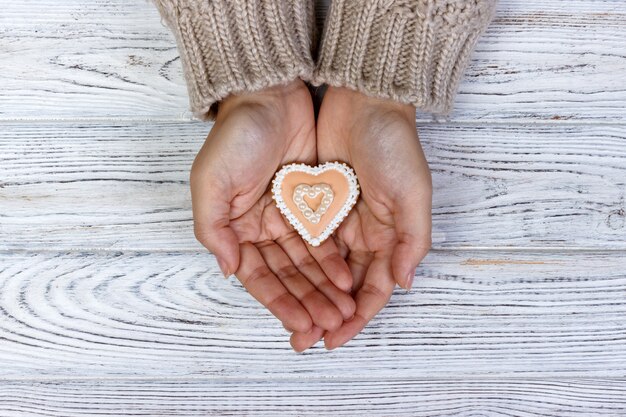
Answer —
315 200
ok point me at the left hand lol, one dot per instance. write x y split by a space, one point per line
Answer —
388 232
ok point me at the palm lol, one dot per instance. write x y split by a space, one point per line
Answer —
363 234
254 217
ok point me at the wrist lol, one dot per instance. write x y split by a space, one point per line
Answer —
356 116
360 104
276 98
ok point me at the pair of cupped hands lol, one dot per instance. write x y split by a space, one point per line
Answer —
331 291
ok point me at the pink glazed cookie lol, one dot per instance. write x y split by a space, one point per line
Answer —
315 200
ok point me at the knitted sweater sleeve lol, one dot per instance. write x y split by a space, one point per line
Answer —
411 51
233 46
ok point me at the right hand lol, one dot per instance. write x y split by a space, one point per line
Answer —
235 217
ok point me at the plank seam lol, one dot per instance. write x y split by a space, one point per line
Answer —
487 249
427 122
305 378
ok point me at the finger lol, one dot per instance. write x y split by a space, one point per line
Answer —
413 228
343 248
263 285
211 215
301 257
370 299
333 264
302 341
359 262
323 313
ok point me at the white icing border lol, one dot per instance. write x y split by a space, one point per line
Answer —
353 195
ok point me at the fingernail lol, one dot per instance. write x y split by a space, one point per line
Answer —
409 280
223 268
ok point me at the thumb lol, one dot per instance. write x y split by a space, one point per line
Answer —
211 222
413 228
222 242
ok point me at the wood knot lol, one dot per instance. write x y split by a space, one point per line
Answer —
616 219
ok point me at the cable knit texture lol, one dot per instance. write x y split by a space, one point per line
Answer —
233 46
411 51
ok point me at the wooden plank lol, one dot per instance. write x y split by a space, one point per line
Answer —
471 314
552 60
88 59
125 185
114 59
313 397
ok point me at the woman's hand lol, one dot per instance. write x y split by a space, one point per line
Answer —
388 232
236 219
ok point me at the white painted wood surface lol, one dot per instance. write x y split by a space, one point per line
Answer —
314 397
556 60
471 314
125 185
109 306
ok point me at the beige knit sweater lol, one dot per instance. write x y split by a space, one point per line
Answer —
411 51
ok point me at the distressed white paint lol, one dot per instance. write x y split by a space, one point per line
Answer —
314 397
471 314
95 148
562 59
125 185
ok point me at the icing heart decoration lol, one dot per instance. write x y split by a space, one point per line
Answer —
315 200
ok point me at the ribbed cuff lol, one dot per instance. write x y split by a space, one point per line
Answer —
410 51
236 46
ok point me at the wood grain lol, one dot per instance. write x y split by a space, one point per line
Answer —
125 185
108 305
472 314
561 61
313 397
